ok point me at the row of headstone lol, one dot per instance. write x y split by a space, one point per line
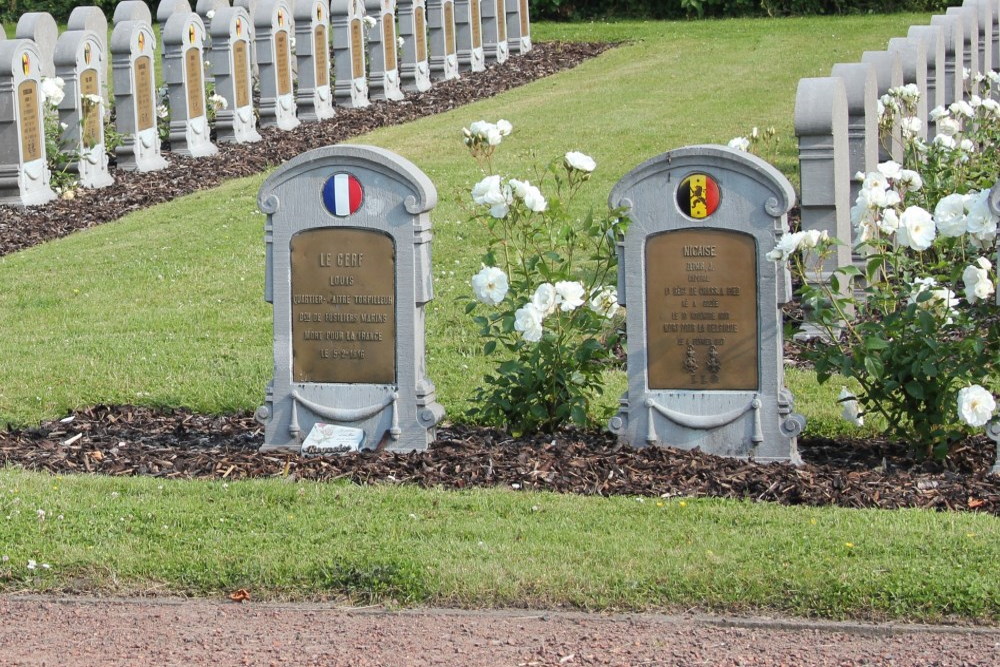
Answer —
349 272
289 51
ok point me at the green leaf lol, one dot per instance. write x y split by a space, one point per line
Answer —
873 343
915 389
490 347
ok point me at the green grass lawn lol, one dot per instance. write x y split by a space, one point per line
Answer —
165 308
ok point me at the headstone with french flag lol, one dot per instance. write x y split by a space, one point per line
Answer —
343 194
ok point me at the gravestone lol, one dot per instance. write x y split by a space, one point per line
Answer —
861 85
81 64
495 46
207 9
274 58
518 26
969 17
351 84
821 127
469 30
133 50
24 175
414 68
383 63
348 273
92 19
132 10
314 97
888 67
42 29
954 56
986 12
184 74
251 7
231 63
932 37
167 8
441 32
913 56
705 367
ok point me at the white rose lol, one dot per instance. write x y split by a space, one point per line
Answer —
529 194
787 244
916 228
489 191
852 411
911 126
949 215
504 127
604 301
910 179
400 42
937 113
976 405
739 143
948 126
52 90
570 295
978 286
490 285
962 108
545 299
890 169
528 321
580 162
944 141
980 220
889 222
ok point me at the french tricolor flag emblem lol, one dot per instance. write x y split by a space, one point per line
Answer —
342 194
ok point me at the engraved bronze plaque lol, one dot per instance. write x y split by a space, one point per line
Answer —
195 87
31 126
321 56
91 125
282 61
357 51
477 25
701 310
343 306
145 118
449 28
420 21
241 73
501 21
389 41
524 18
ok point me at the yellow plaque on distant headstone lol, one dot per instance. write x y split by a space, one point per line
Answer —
477 26
30 118
389 41
421 27
449 28
501 12
195 88
524 18
282 62
91 121
357 50
241 73
321 56
145 118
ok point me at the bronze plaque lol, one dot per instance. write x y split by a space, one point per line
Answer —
420 21
524 18
145 118
282 61
357 51
701 310
501 12
477 25
92 124
193 69
343 306
389 41
321 56
449 28
241 73
31 127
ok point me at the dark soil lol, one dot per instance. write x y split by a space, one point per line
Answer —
125 441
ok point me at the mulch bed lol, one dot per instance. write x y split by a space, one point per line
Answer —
175 444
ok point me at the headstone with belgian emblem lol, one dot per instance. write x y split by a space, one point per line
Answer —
441 32
132 10
133 49
230 60
348 240
469 27
518 26
495 47
414 68
314 97
93 19
43 30
273 34
705 359
383 60
184 74
350 69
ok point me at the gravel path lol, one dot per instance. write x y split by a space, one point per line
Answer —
86 631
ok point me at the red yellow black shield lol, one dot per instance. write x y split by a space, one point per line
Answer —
698 196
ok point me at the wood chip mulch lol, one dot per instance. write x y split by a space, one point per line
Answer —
175 444
22 228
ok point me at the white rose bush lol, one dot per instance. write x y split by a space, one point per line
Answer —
545 298
916 322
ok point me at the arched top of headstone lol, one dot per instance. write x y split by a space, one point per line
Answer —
970 19
70 43
951 28
203 7
679 163
347 8
184 29
888 68
167 8
11 60
132 10
231 21
415 189
860 82
819 105
275 13
306 11
912 52
41 28
378 6
90 18
133 36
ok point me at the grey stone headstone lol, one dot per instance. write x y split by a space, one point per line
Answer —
932 37
184 74
273 34
414 68
383 54
167 8
93 19
469 26
888 74
518 26
207 9
348 238
133 54
314 97
82 65
954 55
24 174
41 28
913 55
350 67
986 13
251 7
821 127
969 16
444 45
230 60
495 44
705 360
132 10
861 85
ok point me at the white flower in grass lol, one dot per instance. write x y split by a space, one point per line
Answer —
739 143
949 215
490 285
529 194
604 301
489 191
976 277
32 564
948 127
485 133
545 299
975 405
528 321
504 127
916 228
852 410
571 295
580 162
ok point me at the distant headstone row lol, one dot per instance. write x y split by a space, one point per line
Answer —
288 49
